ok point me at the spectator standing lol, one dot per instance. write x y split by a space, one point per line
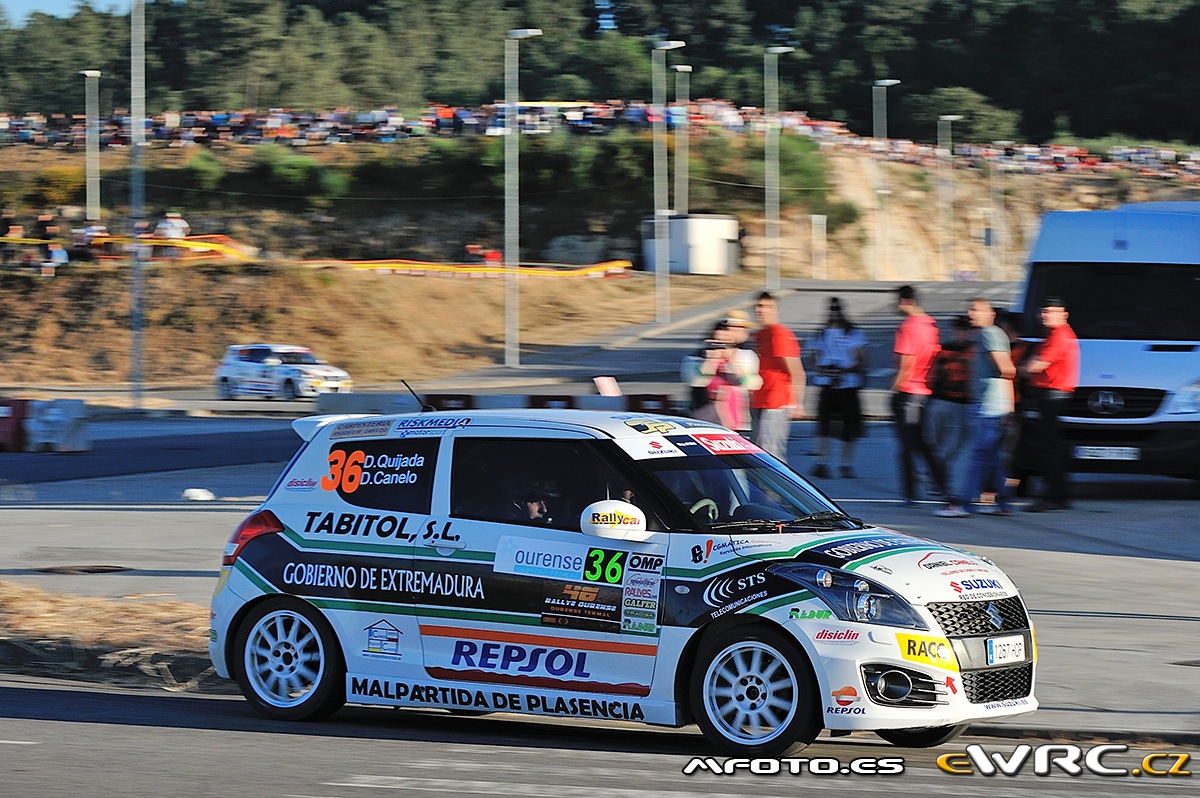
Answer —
172 226
992 374
949 410
45 229
1054 369
719 375
780 398
840 360
916 344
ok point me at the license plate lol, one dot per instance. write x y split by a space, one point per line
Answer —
1005 649
1108 453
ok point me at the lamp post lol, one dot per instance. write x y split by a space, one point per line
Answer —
879 113
91 85
946 150
512 196
771 152
682 73
662 241
999 224
137 184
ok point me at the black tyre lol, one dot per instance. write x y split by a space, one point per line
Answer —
927 737
289 391
225 389
753 693
288 662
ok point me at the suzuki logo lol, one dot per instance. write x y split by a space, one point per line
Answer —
994 616
1106 403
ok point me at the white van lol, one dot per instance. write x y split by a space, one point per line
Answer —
1130 278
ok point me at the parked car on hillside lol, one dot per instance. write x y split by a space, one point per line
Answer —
277 370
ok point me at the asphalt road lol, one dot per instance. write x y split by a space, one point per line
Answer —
58 740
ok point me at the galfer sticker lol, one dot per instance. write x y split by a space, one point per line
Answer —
649 448
725 443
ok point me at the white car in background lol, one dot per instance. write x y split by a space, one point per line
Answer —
277 370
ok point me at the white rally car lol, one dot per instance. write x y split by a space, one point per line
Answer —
277 370
604 565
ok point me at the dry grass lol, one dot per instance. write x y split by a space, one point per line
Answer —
27 613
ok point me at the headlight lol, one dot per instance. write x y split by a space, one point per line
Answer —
852 597
1186 399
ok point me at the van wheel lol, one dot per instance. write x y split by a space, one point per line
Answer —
926 737
288 662
225 389
753 693
289 391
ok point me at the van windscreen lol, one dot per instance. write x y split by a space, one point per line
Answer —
1125 301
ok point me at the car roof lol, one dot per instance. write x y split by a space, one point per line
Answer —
601 423
272 347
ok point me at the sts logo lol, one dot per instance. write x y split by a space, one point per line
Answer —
722 591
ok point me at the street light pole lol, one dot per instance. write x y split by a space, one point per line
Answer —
91 86
946 150
682 73
662 240
137 184
771 151
1000 223
879 108
512 196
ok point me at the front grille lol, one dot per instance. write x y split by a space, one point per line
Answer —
998 684
963 618
1136 402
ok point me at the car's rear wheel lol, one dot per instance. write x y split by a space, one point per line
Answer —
225 389
753 693
926 737
289 391
288 662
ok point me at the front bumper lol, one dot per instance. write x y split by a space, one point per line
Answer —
1170 448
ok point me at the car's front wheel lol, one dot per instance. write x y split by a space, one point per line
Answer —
926 737
288 663
225 389
753 693
289 391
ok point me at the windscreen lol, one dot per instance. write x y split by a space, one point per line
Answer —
298 358
1124 301
718 489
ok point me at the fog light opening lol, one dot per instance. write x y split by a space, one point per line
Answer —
894 686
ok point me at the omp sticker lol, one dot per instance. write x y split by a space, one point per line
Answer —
934 651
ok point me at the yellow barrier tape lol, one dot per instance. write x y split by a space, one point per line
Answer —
598 269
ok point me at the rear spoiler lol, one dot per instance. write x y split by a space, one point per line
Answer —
307 427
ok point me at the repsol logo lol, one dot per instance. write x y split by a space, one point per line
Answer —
511 658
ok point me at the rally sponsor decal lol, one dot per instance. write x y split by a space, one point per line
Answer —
371 428
583 606
847 550
846 702
951 564
374 690
639 603
383 475
927 650
805 614
531 557
543 661
725 443
301 484
649 448
726 589
383 641
977 589
836 637
650 426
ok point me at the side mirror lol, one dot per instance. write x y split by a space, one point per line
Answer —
271 361
615 520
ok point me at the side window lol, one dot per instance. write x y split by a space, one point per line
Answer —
244 355
395 475
542 482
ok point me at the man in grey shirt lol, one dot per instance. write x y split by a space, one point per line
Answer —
991 405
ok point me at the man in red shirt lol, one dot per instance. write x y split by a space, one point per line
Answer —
1054 372
781 397
916 344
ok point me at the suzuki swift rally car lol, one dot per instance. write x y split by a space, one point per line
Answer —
604 565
